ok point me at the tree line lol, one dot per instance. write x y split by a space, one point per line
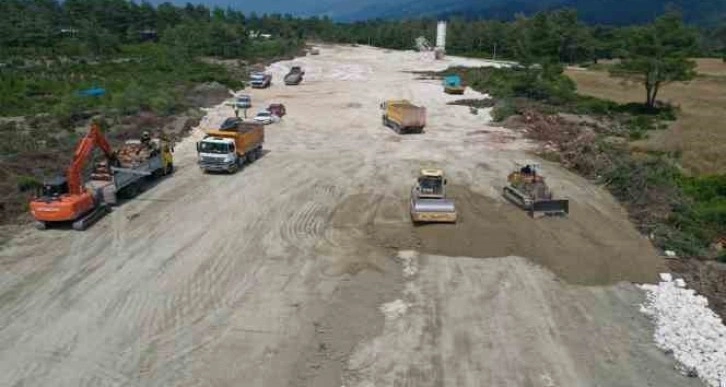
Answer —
655 53
75 27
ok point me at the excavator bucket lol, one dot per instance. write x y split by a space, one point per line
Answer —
541 208
433 211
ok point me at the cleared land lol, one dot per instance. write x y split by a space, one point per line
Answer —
698 133
290 273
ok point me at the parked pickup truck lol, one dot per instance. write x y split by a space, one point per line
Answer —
403 117
243 101
260 80
228 150
295 76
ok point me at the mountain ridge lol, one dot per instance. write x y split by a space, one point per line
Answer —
614 12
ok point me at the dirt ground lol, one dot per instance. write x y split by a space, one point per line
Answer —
290 273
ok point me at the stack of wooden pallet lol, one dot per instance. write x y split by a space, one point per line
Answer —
131 155
101 171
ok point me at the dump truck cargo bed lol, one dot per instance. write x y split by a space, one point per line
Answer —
404 117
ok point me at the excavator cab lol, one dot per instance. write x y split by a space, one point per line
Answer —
53 188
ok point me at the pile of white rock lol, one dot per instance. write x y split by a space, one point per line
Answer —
688 329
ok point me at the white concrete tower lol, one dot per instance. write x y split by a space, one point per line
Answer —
440 40
441 35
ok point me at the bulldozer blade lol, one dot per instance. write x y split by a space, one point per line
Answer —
550 207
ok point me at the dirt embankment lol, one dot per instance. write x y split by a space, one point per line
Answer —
580 249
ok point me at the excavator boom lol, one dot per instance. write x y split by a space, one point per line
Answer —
83 151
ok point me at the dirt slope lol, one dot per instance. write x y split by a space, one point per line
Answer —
276 276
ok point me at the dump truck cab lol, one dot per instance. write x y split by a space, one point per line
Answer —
429 203
217 154
227 150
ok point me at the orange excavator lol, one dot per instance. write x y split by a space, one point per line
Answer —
65 199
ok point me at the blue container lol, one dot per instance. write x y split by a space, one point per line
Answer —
452 81
93 92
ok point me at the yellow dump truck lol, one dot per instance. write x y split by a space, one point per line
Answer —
403 116
229 148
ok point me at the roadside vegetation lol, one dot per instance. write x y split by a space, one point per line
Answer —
598 137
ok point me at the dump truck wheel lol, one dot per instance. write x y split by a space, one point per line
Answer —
40 225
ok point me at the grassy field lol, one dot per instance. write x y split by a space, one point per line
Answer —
699 134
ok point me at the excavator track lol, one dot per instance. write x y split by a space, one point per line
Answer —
90 218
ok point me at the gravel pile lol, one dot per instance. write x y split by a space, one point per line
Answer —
687 328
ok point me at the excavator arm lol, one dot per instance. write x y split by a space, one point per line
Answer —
83 151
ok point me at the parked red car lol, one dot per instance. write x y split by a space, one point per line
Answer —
277 109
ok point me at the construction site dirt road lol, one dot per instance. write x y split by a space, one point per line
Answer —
303 269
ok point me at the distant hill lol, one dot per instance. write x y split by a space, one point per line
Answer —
616 12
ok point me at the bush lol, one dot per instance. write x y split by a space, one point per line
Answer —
163 104
592 105
503 110
28 183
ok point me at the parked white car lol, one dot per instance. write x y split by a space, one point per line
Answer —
265 117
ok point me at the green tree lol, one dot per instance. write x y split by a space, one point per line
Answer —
658 54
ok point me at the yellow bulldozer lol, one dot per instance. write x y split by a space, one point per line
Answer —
527 189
